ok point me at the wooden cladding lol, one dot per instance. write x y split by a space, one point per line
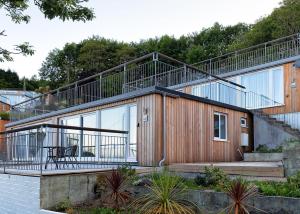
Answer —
189 131
291 91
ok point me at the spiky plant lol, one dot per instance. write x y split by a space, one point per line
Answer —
166 196
240 192
116 184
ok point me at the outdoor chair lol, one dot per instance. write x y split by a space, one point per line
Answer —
54 154
71 155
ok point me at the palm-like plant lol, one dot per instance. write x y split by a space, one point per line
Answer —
240 192
166 196
116 184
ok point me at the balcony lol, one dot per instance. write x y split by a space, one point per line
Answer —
41 149
156 69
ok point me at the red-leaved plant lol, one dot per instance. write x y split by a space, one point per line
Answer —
116 184
240 192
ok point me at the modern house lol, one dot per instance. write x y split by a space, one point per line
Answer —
151 111
156 110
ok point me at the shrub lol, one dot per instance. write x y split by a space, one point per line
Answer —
127 171
240 191
63 206
272 188
4 115
295 180
266 149
116 184
213 176
166 196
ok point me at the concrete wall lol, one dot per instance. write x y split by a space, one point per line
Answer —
268 134
73 187
291 157
19 194
263 156
214 202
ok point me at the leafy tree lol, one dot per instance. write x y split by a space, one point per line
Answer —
62 9
9 79
283 21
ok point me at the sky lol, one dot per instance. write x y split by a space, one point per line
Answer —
124 20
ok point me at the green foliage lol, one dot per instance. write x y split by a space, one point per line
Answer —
295 180
213 176
63 9
100 210
11 80
4 116
63 205
128 171
291 188
283 21
266 149
166 196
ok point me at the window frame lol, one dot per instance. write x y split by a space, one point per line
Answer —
245 125
219 114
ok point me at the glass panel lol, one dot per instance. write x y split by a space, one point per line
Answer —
133 132
89 137
216 126
113 144
278 88
71 137
223 127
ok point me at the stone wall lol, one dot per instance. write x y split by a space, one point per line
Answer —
19 194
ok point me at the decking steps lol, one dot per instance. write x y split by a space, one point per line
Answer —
258 169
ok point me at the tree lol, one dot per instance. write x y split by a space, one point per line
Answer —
62 9
283 21
9 79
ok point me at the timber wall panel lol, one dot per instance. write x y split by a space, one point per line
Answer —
190 132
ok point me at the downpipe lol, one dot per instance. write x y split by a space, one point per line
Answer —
161 162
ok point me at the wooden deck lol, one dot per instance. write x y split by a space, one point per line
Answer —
257 169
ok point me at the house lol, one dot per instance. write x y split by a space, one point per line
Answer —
4 106
156 110
174 112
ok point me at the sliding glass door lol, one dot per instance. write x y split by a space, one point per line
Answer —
104 145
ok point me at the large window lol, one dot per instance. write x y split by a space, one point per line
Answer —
220 126
268 83
263 89
104 145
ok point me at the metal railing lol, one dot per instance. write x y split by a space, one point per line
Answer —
256 55
47 147
156 69
151 70
231 95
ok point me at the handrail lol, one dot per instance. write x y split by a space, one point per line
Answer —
248 48
47 125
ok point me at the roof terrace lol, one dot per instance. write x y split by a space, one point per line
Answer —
156 69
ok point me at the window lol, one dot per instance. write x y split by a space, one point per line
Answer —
268 83
220 126
243 122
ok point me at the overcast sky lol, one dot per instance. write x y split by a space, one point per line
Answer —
125 20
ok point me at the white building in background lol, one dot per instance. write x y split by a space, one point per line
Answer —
14 96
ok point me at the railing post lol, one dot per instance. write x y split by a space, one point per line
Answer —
100 88
76 101
124 78
42 145
155 58
185 73
210 72
236 60
265 54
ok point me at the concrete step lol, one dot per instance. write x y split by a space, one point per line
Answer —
257 169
